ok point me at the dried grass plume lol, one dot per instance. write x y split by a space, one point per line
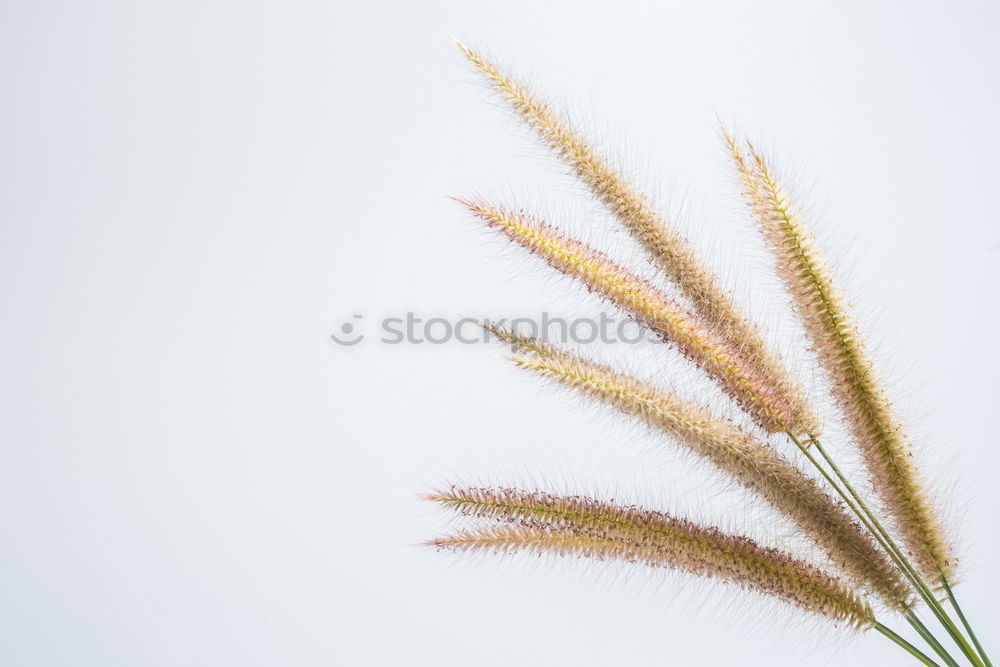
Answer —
544 523
837 342
668 250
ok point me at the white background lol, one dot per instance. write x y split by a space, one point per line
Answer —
195 195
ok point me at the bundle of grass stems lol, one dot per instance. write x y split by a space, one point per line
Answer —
890 550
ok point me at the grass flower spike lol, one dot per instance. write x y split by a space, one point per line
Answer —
751 463
539 522
647 305
836 339
668 251
902 573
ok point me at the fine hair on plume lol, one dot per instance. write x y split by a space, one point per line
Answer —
898 567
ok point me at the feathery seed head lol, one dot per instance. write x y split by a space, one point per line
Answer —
669 251
648 306
750 462
519 343
854 384
579 526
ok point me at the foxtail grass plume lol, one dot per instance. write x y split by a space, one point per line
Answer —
668 251
765 403
836 339
577 526
702 321
751 463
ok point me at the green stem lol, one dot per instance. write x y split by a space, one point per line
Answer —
965 622
922 587
871 523
929 638
850 504
907 646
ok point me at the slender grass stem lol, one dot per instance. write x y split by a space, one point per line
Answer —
850 503
965 622
929 638
893 554
868 520
926 634
907 646
918 581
